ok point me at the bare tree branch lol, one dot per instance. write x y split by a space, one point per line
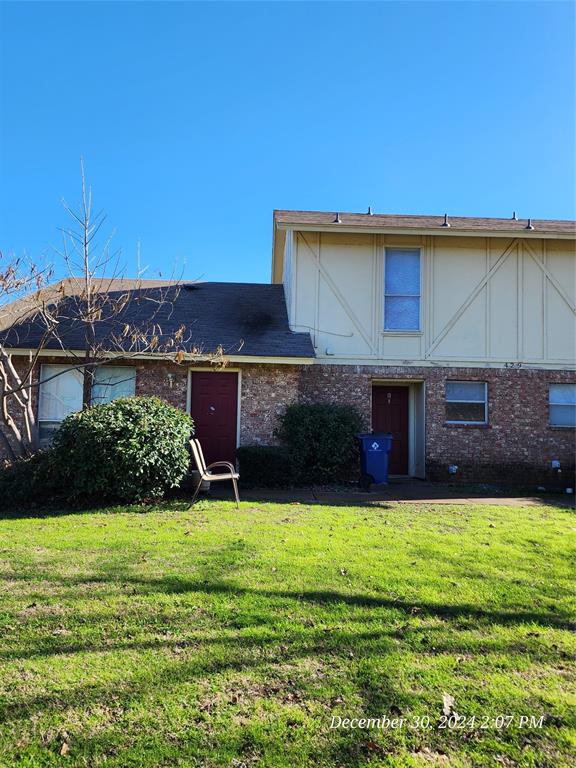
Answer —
96 315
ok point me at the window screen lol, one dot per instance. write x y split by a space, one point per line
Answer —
402 290
111 382
466 402
562 398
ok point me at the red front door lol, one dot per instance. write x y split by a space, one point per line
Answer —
214 410
390 414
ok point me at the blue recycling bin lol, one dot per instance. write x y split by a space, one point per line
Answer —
374 451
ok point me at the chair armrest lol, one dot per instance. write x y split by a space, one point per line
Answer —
230 466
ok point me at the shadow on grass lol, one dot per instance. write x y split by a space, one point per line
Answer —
262 653
346 497
413 490
170 585
263 657
241 653
109 508
377 695
260 623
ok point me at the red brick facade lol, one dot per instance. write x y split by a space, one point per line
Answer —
266 390
166 380
516 446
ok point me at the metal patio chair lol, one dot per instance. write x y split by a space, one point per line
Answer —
207 476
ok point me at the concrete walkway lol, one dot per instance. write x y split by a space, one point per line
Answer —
398 491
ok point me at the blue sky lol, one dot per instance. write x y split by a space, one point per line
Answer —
196 120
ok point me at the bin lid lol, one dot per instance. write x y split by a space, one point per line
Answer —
368 435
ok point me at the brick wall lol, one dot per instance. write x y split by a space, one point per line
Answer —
344 384
266 391
166 380
163 379
516 446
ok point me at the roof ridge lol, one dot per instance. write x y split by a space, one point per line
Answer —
383 215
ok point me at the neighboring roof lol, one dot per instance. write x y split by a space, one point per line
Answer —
245 319
383 222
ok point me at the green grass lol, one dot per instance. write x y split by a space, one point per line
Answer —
211 637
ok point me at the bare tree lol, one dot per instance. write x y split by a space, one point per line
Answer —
98 302
94 315
20 282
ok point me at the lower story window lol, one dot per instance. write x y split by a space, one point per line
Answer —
466 402
60 395
112 382
562 400
61 390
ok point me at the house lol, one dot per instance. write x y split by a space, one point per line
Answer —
456 334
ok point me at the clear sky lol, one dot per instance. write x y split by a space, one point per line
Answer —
196 120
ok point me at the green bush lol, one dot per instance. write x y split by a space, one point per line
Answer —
27 480
130 449
320 440
265 466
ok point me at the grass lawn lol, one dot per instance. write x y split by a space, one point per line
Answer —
211 637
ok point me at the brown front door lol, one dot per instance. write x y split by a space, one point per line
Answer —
390 414
214 410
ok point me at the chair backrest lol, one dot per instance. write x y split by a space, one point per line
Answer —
198 455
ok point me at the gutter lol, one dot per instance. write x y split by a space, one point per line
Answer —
534 234
189 359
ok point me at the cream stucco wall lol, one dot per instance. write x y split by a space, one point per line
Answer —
485 301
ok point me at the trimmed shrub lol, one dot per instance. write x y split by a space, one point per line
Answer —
130 449
320 440
265 466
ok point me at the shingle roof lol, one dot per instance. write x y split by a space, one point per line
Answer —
246 319
380 221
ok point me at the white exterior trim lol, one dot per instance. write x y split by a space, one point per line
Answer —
534 234
166 359
448 362
368 360
270 360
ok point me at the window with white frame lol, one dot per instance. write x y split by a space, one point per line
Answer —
60 395
112 382
61 392
402 289
466 402
562 404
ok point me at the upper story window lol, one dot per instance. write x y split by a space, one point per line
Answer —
562 399
466 402
61 393
402 289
